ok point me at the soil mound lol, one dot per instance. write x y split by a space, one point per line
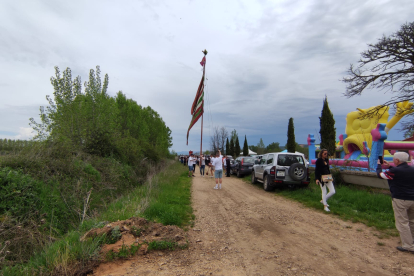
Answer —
139 232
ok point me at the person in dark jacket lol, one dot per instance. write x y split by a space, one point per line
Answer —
322 168
401 181
228 166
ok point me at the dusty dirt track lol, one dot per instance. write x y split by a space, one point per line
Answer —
243 230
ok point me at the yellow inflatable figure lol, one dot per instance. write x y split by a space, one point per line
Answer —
358 128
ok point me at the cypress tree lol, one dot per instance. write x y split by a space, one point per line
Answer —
237 147
291 143
231 152
327 131
227 146
245 147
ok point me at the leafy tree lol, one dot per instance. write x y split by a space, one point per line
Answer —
273 147
327 131
237 147
234 135
301 149
291 143
231 147
227 146
96 123
388 66
245 147
260 147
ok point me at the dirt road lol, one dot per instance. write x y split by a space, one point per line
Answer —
243 230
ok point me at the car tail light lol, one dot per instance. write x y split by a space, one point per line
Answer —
242 162
273 170
279 181
305 182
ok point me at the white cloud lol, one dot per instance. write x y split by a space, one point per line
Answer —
267 61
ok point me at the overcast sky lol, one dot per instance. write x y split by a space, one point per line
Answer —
267 60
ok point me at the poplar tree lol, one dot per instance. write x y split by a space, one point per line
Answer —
227 146
237 147
291 143
245 147
231 151
327 131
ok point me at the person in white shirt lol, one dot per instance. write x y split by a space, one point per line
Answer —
191 161
218 169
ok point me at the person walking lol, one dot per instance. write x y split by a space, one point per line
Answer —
190 166
322 169
194 163
228 166
202 164
400 180
218 169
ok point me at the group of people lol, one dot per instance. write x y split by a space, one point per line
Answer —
214 166
400 179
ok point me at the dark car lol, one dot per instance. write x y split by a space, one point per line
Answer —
243 165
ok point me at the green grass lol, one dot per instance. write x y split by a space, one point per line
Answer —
350 202
164 198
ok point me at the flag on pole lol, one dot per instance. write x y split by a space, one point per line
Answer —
197 109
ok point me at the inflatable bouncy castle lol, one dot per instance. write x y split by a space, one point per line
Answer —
365 138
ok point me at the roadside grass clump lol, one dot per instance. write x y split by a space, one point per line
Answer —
68 254
123 253
165 245
350 202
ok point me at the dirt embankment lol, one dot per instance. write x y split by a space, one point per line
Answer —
243 230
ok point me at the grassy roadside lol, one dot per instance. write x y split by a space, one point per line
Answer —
165 198
350 202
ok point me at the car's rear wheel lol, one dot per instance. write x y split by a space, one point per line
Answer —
297 172
266 184
254 179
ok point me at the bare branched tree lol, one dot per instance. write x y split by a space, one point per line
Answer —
388 66
218 140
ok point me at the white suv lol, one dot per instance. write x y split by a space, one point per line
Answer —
281 168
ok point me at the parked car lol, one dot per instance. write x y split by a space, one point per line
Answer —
242 165
281 168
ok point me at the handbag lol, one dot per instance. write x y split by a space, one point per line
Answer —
327 178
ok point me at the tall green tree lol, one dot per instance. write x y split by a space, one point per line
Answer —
227 146
291 143
327 130
260 147
237 147
234 135
231 146
245 147
273 147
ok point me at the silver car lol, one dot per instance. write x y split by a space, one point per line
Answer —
281 168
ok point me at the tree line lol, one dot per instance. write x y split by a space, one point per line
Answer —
232 146
96 123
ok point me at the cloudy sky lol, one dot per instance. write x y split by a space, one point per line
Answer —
267 60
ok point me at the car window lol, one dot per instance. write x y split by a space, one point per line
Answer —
263 160
269 159
248 160
289 159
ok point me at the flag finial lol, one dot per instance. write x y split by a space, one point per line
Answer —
205 52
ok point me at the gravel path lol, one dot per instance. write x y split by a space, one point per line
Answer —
243 230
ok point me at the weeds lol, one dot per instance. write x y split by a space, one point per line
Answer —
123 253
165 245
69 253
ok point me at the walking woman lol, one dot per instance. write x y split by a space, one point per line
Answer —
323 177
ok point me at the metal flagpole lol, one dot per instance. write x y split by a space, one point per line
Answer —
201 145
